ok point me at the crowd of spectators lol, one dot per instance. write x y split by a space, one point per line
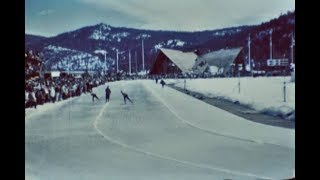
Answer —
40 89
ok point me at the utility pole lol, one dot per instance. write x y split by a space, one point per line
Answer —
284 88
68 67
249 53
292 45
87 64
129 62
142 56
105 61
239 81
135 57
117 62
100 33
270 44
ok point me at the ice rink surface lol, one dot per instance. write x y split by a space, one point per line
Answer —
164 134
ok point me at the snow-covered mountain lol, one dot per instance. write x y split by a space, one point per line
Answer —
84 44
59 58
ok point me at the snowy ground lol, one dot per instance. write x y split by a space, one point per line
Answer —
264 94
164 135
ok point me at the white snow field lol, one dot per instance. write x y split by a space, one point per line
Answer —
264 94
164 134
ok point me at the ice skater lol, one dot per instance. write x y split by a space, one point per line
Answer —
108 92
125 96
94 96
162 82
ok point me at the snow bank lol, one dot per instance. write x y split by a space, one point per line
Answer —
265 94
30 112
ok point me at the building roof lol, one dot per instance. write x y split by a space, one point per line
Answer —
222 58
184 60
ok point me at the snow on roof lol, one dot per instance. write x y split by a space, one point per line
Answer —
99 51
222 58
184 60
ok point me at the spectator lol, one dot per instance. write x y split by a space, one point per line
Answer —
52 94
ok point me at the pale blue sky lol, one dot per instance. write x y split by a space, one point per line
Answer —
52 17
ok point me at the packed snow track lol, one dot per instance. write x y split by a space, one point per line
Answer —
164 134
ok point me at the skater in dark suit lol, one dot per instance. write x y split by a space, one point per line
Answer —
108 92
125 96
162 82
156 80
94 96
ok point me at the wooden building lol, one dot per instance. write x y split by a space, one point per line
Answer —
170 61
227 62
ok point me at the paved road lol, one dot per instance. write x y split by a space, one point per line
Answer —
164 135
